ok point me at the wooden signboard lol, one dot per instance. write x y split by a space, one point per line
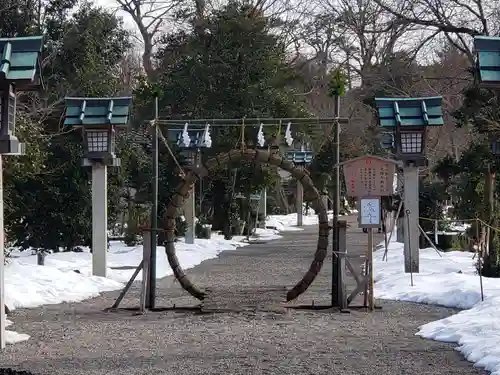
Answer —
369 176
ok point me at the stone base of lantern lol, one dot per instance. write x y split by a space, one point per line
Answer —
110 162
416 162
10 145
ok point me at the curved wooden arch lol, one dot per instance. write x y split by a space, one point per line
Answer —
263 157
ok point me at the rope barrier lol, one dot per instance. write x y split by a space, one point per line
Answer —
461 220
488 225
445 220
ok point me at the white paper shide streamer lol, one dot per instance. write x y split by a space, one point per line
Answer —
261 140
186 139
288 135
207 139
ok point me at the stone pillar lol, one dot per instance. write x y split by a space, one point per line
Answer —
99 219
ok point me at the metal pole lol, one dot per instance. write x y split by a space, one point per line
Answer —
99 219
336 206
2 272
412 233
408 213
150 303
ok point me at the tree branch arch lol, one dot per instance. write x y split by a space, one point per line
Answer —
264 157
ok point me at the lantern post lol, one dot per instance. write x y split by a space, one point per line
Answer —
19 71
487 51
408 119
191 140
262 207
99 118
302 156
274 146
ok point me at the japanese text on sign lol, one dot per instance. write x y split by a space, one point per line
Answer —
369 177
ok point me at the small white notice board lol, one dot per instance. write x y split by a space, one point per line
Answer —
369 212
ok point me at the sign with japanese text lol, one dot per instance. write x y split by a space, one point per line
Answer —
369 176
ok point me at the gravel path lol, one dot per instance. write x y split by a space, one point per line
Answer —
80 338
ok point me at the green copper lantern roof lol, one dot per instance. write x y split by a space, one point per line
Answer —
488 59
20 60
409 111
97 111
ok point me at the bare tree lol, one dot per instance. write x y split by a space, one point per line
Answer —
150 16
447 77
456 20
128 70
362 38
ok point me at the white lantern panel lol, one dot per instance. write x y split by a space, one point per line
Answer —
97 140
12 112
411 142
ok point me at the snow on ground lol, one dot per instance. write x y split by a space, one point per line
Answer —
270 234
12 337
448 279
288 223
29 285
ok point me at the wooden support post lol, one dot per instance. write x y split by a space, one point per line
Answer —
429 240
411 232
262 209
336 205
299 203
400 220
365 292
490 191
146 265
127 287
189 214
400 206
341 264
478 245
371 300
3 317
153 236
436 236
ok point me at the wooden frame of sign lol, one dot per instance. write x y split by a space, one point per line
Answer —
369 176
369 212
